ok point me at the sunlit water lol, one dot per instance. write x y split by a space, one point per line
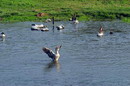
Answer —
86 60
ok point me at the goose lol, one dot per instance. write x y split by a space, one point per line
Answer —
101 32
48 20
44 29
60 27
2 35
75 21
54 56
37 27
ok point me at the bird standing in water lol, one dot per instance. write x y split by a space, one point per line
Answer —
53 55
2 35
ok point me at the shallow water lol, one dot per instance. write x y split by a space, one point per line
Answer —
86 60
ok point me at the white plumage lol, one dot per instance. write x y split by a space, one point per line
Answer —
39 27
101 32
53 55
60 27
2 35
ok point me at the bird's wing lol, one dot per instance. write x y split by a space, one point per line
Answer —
49 52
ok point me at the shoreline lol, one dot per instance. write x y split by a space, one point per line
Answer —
85 10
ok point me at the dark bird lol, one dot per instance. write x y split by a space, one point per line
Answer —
111 32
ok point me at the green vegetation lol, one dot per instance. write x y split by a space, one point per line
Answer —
26 10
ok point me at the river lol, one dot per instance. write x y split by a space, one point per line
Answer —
86 60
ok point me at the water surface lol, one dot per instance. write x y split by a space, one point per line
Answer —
86 60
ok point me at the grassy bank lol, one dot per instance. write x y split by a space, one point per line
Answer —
26 10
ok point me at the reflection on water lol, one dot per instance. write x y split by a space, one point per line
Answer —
86 60
53 64
2 39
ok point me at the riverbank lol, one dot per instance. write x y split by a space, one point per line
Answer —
28 10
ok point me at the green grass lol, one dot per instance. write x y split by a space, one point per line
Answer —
25 10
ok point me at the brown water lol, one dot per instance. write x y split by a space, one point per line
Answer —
86 60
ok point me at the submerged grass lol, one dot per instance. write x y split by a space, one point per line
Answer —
26 10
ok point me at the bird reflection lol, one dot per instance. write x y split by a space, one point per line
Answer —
2 39
53 64
75 26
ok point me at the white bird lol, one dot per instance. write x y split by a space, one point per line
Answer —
54 56
48 20
44 29
75 21
60 27
37 27
101 32
2 35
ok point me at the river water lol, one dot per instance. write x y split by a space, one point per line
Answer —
86 60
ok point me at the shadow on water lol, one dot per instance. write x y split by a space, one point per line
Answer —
51 65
